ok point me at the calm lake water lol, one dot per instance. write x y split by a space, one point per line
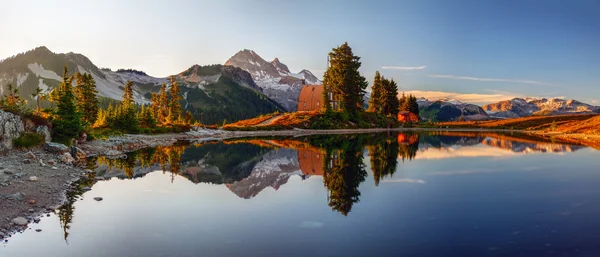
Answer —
442 194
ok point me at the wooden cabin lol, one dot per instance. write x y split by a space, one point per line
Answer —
311 99
407 117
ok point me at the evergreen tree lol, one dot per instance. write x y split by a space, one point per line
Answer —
404 103
344 80
67 120
37 95
163 104
146 118
174 104
391 98
375 101
413 105
155 106
101 119
128 95
127 119
87 99
12 102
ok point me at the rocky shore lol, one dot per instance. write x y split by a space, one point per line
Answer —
33 183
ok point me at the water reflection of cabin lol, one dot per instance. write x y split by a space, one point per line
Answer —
311 98
311 161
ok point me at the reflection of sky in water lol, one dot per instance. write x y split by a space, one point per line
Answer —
539 204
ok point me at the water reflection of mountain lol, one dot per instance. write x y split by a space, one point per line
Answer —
516 143
248 166
272 170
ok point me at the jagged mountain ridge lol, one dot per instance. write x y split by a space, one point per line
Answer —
213 93
520 107
273 77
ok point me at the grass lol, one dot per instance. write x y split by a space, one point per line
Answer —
314 120
28 140
105 133
250 122
549 123
588 126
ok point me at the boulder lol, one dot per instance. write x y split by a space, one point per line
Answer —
56 148
29 155
20 221
66 158
11 126
45 132
78 154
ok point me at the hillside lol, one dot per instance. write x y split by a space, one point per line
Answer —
449 110
212 93
525 123
588 126
217 93
312 120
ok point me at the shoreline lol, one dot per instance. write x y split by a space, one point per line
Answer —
22 196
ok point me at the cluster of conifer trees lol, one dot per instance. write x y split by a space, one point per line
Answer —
344 81
344 85
384 96
76 108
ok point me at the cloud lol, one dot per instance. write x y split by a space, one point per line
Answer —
403 180
403 67
485 170
532 82
468 98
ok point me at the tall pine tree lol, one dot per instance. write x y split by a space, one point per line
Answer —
174 104
163 104
376 100
87 99
344 80
67 120
391 98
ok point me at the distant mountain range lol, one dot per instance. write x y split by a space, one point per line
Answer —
519 107
449 110
244 87
452 109
212 93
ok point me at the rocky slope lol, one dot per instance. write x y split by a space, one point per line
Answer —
449 110
273 77
519 107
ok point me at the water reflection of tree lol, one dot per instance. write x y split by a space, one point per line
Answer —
66 211
344 169
384 157
167 157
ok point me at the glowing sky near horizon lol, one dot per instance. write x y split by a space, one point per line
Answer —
490 50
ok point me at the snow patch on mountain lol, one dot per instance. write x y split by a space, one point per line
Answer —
521 107
274 78
45 88
21 78
39 71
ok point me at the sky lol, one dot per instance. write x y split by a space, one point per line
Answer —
474 51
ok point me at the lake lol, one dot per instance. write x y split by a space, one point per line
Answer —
388 194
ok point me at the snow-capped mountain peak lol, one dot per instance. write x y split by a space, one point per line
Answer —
281 68
274 78
519 107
